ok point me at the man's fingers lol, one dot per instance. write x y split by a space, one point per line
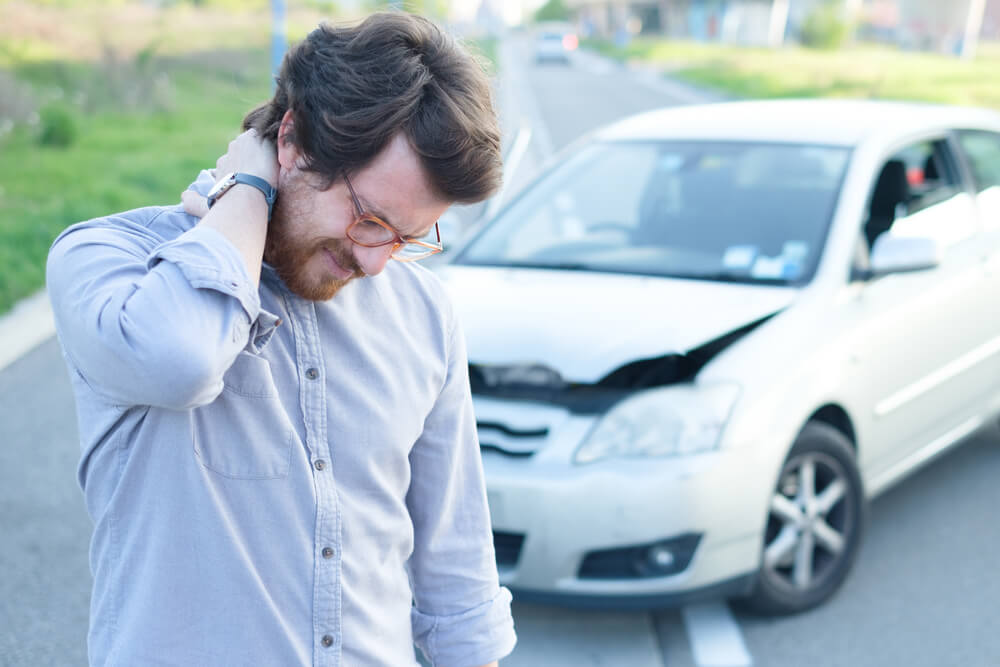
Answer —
194 203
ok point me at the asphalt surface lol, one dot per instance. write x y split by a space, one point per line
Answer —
924 591
44 576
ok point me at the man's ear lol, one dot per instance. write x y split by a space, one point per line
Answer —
288 152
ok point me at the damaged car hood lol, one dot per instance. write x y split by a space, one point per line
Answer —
586 325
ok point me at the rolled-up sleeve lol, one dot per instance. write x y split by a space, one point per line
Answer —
148 321
467 639
461 616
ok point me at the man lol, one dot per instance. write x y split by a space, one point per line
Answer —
279 450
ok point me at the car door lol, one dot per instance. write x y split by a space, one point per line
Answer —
981 152
919 328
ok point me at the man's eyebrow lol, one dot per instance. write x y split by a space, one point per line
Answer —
374 210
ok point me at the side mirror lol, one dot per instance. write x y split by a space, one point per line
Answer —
899 254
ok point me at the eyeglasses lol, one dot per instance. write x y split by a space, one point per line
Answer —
369 231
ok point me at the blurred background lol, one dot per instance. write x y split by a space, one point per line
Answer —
107 105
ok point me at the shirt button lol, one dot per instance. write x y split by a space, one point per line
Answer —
320 464
327 552
327 641
312 373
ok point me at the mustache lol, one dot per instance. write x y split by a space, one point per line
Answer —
343 258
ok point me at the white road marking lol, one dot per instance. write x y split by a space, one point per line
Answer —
26 326
525 100
510 165
556 637
714 636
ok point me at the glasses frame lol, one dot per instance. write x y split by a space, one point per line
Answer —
397 241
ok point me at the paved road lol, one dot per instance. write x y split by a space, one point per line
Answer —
44 577
924 591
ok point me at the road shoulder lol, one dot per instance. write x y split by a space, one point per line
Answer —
28 324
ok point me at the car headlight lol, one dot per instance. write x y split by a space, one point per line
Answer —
670 421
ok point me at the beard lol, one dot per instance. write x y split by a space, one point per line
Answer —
290 254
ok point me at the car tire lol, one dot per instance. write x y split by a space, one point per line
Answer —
814 527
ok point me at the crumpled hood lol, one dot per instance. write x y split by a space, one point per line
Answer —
585 325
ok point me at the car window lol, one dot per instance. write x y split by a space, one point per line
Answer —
983 152
911 196
931 174
732 211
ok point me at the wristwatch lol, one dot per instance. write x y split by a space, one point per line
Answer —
231 179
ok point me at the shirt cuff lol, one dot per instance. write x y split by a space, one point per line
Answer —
209 261
471 638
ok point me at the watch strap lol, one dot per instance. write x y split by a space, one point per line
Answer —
270 193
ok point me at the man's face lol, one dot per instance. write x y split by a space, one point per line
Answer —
307 240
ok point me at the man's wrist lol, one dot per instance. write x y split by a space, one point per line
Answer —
231 180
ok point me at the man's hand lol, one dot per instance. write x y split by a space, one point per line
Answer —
241 213
250 154
247 153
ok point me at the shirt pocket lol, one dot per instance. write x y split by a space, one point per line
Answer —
245 432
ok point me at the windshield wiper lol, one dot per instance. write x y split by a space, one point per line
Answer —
559 266
729 277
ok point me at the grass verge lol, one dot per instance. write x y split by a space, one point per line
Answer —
862 71
95 120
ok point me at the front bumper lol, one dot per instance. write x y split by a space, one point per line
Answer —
731 588
564 512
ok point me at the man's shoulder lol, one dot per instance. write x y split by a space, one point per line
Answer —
149 224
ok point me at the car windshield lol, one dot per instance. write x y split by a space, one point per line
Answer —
726 211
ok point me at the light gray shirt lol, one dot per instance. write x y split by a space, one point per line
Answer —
272 481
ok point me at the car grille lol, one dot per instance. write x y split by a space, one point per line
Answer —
507 547
510 441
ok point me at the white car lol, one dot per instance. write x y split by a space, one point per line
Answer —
554 42
705 338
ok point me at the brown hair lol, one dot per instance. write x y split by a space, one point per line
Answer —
351 89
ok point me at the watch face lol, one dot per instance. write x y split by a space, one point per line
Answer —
227 182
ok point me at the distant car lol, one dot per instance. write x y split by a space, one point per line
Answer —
553 43
709 335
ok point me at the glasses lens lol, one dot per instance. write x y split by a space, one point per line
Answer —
411 251
368 232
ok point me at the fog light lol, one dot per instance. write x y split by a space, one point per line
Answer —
656 559
660 556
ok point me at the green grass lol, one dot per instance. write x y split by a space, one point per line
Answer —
486 49
120 160
149 111
863 71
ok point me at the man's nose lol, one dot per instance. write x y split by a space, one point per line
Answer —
372 260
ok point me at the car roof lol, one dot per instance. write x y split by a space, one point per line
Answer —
813 121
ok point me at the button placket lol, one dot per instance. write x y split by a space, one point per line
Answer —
326 574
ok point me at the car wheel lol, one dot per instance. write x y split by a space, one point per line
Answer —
814 526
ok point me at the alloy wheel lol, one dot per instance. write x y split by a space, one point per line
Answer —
810 523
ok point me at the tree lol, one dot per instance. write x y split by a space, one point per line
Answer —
825 26
553 10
